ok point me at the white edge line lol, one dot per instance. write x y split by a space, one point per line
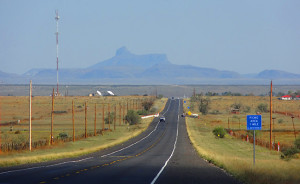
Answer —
166 163
138 140
74 161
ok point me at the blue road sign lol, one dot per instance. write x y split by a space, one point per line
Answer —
188 107
184 101
253 122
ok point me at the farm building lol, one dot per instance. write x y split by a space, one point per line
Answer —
286 97
297 97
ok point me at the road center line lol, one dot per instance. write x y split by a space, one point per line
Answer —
166 163
138 140
74 161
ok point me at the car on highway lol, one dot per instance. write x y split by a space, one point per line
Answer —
162 119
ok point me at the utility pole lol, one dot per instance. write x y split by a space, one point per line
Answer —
51 135
109 116
294 126
57 18
271 117
0 124
274 128
120 114
30 101
95 131
85 121
123 114
73 122
103 108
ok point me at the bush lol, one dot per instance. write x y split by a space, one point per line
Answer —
147 105
219 132
132 117
290 152
262 107
62 135
297 143
236 105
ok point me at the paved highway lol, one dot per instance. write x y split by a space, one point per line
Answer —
162 154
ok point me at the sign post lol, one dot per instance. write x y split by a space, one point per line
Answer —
253 123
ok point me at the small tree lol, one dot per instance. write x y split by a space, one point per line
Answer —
204 106
147 105
236 106
132 117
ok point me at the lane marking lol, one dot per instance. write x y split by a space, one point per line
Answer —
31 168
75 161
107 164
138 140
174 147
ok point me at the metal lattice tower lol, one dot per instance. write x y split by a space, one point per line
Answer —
57 18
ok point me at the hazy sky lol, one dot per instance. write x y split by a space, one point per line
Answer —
242 36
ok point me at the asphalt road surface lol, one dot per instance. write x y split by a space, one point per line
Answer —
162 154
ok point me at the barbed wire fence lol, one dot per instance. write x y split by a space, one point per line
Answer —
72 119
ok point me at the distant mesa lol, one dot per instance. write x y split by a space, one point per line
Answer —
129 68
277 74
123 51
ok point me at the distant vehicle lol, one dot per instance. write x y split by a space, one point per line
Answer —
162 119
110 93
99 93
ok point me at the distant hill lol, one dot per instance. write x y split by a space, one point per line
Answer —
128 68
277 74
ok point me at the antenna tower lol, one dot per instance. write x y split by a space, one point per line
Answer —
57 18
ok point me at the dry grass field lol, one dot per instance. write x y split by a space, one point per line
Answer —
14 124
236 155
283 130
63 123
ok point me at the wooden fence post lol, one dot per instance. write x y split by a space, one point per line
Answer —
85 121
103 108
120 114
95 130
73 122
115 118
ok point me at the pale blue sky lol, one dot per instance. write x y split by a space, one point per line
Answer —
242 36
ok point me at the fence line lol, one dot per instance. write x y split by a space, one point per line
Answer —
58 117
259 142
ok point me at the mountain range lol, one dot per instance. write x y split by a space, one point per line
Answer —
128 68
